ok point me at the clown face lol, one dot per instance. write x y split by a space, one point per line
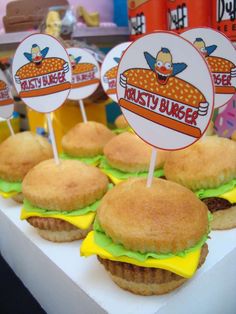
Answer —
36 55
163 66
201 46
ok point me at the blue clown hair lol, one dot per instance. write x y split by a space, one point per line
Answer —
199 39
165 50
34 45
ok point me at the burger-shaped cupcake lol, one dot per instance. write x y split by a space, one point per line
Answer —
122 125
126 156
150 240
20 153
85 142
61 200
209 169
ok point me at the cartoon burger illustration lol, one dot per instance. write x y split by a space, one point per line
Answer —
83 74
156 94
5 98
222 69
42 76
110 78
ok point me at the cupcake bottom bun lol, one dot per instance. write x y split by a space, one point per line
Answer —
61 200
209 169
150 240
20 153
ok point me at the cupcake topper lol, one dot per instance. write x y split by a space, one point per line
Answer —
85 76
42 76
6 101
220 55
109 69
165 91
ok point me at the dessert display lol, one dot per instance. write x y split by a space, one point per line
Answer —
126 155
209 169
150 240
20 153
85 142
61 200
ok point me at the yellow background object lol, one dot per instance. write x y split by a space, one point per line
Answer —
66 117
4 130
183 266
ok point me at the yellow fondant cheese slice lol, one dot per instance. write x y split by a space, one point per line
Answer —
8 194
82 222
229 196
183 266
111 177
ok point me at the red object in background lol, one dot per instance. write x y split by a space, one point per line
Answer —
183 15
224 17
146 16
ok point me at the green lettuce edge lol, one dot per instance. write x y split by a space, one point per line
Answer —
125 175
224 188
77 212
118 250
87 160
7 186
120 131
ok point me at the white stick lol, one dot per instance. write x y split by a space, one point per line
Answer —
151 167
52 137
82 109
10 127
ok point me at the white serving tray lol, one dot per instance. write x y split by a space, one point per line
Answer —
63 282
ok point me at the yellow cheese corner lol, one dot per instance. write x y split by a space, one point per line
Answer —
8 194
183 266
111 177
229 196
81 222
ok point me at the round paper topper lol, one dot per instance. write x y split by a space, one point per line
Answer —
85 73
220 55
109 69
6 99
165 90
42 72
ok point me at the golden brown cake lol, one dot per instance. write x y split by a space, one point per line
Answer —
148 221
20 153
51 190
86 139
209 169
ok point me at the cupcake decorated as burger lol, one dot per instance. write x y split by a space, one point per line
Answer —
61 200
208 168
126 156
85 142
150 240
20 153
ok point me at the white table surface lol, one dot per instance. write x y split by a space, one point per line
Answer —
63 282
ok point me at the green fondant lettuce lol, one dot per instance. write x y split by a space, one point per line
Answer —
119 131
204 193
86 160
7 186
125 175
117 250
78 212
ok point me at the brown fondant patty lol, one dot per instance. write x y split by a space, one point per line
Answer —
145 275
216 203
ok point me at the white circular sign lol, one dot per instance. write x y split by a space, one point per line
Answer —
85 73
109 69
6 99
42 72
165 90
220 55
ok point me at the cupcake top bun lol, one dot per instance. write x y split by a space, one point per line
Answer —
86 139
209 163
121 122
165 218
20 153
127 152
68 186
